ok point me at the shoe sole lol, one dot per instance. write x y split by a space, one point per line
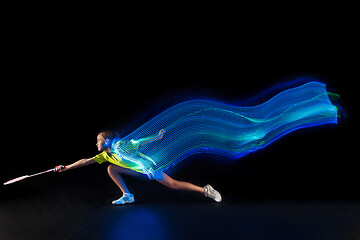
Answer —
115 204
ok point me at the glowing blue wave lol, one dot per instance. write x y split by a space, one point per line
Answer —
202 126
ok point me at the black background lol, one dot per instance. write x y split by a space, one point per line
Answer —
64 85
69 72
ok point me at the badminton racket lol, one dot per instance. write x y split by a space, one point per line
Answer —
29 176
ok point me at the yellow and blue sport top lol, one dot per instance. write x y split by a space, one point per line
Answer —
114 159
123 154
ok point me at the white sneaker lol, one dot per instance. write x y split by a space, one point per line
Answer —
210 192
126 198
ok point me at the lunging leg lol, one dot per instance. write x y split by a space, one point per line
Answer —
167 181
114 172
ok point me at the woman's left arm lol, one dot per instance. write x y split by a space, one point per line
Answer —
154 138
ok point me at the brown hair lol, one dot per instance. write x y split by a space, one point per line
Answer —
107 134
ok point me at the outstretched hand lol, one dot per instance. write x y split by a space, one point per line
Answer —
161 133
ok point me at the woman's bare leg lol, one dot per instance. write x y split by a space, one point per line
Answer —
178 185
114 172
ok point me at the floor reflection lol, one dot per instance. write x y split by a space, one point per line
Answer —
138 223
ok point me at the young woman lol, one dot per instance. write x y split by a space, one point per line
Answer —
119 166
202 126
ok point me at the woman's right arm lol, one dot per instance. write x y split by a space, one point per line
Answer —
80 163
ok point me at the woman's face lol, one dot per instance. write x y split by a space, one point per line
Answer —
100 142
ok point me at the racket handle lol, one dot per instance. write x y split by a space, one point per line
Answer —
54 169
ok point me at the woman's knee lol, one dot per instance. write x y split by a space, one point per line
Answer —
112 169
174 185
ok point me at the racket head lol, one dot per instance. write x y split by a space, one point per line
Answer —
16 180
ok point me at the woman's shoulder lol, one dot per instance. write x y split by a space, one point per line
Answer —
101 157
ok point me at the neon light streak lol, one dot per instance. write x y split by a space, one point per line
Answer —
202 126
